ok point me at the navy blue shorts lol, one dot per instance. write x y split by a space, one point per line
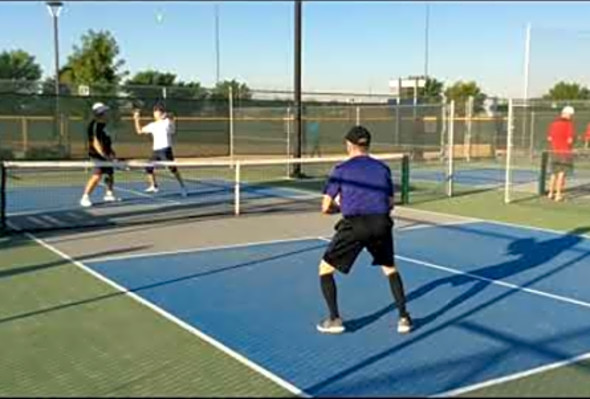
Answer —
165 154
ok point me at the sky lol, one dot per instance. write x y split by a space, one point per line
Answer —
347 46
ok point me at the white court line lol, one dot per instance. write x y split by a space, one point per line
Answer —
510 377
489 280
230 352
490 221
200 249
513 377
420 225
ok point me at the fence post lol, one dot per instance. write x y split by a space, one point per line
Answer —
231 124
532 136
358 115
450 151
510 127
25 133
469 126
2 196
288 128
397 121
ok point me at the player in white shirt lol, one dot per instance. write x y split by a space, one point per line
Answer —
161 129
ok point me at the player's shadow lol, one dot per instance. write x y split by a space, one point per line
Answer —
530 251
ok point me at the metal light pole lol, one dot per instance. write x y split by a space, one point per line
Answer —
54 8
217 42
297 85
426 39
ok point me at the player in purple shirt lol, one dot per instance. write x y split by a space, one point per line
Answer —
362 189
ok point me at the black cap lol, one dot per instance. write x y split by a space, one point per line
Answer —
359 135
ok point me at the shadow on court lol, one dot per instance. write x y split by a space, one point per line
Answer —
204 273
12 272
531 253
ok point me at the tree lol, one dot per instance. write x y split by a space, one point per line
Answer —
151 77
95 62
19 71
241 91
568 91
432 91
19 65
460 93
151 83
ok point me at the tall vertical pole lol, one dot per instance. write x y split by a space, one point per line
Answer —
217 63
54 10
527 64
297 86
56 54
426 39
451 150
508 177
527 61
231 124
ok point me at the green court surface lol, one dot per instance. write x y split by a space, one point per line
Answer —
63 332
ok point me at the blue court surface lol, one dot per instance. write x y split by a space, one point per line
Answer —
488 300
475 176
39 199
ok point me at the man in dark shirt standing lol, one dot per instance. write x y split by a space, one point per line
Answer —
99 149
363 190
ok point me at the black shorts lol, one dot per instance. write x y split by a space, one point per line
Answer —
102 170
353 234
562 163
164 154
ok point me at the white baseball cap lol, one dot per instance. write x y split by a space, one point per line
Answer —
567 110
99 108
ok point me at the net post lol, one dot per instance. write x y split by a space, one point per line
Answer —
405 189
231 124
510 127
238 178
543 172
450 151
2 196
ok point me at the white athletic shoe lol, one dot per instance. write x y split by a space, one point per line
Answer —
152 189
110 197
85 201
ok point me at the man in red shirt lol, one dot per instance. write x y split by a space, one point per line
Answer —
561 139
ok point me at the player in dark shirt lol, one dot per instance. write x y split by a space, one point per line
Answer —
363 190
99 149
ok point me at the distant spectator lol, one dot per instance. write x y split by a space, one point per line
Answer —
561 139
312 131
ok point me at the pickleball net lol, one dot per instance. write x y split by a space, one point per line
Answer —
45 195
